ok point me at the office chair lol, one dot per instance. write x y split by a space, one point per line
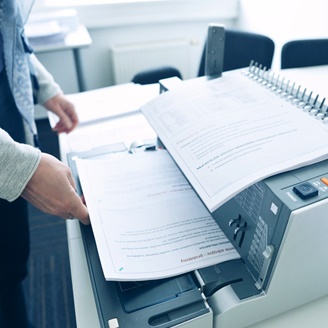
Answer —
155 74
240 49
303 53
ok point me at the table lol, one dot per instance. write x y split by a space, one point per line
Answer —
74 40
126 128
313 78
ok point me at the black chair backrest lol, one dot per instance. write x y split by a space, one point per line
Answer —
303 53
150 76
241 48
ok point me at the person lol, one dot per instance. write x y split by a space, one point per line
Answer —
27 174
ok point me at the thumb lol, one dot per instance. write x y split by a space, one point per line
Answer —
79 210
78 207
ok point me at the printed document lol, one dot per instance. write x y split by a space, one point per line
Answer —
147 220
227 133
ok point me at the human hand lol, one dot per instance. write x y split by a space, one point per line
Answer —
52 190
65 110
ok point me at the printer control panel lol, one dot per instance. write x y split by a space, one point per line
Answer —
255 219
250 221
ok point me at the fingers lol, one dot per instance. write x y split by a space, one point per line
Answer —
52 190
68 118
66 123
84 220
65 110
63 126
78 211
71 180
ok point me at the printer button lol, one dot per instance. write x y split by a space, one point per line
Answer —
305 190
324 180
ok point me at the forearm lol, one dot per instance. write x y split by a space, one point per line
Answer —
48 88
18 162
52 98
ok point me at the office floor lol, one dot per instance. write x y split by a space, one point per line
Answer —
48 287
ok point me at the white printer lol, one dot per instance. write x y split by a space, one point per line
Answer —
279 226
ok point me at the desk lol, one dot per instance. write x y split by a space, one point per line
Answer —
313 78
127 128
74 40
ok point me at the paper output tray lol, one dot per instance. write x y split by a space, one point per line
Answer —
158 303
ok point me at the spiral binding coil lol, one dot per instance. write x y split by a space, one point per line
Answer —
295 94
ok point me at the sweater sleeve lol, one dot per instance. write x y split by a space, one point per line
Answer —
18 163
48 88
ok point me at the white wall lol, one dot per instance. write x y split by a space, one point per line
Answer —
134 22
138 22
284 20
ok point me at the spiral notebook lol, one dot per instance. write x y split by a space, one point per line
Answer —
298 95
227 133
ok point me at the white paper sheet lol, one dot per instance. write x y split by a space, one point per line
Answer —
147 220
107 103
228 133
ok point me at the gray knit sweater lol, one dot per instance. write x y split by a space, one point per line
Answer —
18 162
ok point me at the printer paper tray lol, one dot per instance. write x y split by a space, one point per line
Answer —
158 303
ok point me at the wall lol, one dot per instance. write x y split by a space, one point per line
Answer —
138 22
280 19
284 20
135 22
100 74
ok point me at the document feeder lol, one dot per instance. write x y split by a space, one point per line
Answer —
279 227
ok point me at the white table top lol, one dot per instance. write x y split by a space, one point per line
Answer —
313 78
75 39
127 128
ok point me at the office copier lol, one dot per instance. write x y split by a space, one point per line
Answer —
279 226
